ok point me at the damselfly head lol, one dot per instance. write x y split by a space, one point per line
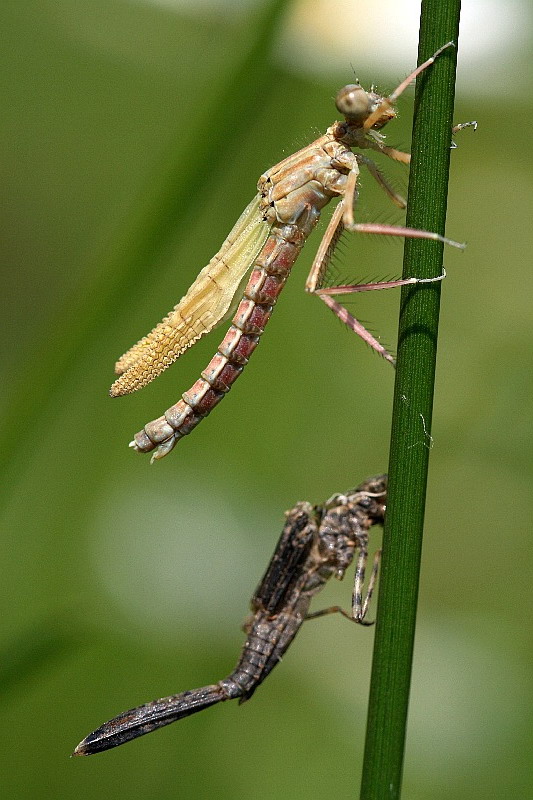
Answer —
357 106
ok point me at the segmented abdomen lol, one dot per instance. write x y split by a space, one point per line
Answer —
269 273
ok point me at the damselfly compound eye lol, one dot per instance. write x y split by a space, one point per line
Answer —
353 102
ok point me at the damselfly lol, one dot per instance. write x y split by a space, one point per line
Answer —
267 240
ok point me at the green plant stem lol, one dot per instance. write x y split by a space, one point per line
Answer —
413 401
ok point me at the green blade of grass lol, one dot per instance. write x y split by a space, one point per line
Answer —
168 203
413 401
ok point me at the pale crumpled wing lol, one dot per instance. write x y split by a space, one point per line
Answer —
207 303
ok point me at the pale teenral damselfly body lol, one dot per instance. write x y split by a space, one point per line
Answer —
316 543
267 240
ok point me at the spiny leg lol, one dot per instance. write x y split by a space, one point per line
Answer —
360 606
381 180
337 225
400 155
390 152
316 275
330 610
347 219
387 104
391 99
343 217
461 127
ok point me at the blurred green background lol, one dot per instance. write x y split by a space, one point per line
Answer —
133 135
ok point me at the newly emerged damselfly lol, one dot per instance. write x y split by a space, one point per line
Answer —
267 240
